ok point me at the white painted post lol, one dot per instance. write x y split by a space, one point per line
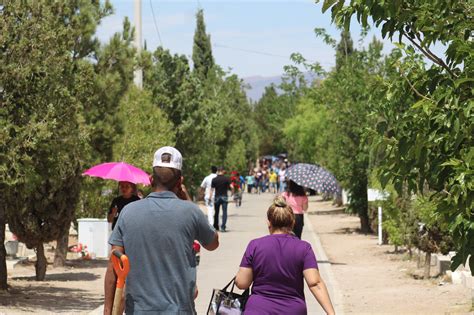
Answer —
138 73
380 225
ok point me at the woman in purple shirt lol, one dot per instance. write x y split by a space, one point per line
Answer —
277 264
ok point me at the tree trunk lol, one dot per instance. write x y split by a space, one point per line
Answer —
426 274
62 243
41 263
364 224
3 252
359 201
338 200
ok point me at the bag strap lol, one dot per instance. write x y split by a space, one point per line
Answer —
228 284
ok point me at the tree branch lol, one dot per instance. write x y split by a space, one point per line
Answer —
414 88
431 56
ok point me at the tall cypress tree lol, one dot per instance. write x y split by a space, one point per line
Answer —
202 50
344 48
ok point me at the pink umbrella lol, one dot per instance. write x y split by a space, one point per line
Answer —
119 171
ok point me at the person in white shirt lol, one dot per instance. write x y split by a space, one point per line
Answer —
282 178
206 185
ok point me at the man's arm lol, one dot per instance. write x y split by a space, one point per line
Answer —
211 193
109 283
214 244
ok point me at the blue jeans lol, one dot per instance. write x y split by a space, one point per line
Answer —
218 201
282 186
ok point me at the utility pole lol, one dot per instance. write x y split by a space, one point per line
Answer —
138 73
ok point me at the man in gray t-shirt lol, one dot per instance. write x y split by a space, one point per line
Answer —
157 234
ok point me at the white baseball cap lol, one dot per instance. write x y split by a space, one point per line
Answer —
168 157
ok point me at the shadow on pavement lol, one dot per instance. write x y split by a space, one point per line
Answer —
44 299
242 215
67 276
87 264
330 262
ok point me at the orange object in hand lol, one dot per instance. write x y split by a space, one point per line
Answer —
121 268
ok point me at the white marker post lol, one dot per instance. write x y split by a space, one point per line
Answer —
138 73
380 225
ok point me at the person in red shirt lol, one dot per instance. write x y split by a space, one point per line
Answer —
235 184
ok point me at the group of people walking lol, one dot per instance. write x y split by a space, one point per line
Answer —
265 179
156 233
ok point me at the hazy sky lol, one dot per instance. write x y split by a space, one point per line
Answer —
275 29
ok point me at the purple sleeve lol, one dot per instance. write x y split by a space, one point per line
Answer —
247 260
310 259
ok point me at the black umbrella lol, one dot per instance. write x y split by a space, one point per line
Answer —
313 177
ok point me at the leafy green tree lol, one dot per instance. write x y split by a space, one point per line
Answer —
43 139
429 143
202 49
433 236
330 125
83 19
235 157
344 49
208 115
143 126
271 111
103 85
177 92
318 145
234 124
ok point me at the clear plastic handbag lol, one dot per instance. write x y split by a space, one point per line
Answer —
225 302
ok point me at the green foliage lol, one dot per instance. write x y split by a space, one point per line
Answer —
103 84
344 49
400 219
112 75
43 140
235 157
144 125
330 125
426 117
271 111
434 236
202 50
209 116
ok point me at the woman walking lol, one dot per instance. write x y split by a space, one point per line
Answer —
276 265
296 198
128 193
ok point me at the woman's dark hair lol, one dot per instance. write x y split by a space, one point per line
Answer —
165 177
295 189
281 215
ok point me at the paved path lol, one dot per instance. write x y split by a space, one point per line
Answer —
244 224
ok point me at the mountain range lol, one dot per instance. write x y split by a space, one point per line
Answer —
256 84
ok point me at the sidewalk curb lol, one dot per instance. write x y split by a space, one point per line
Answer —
337 295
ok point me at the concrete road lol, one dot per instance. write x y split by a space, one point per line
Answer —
217 268
244 224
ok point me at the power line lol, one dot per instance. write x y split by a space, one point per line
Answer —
154 22
264 53
252 51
